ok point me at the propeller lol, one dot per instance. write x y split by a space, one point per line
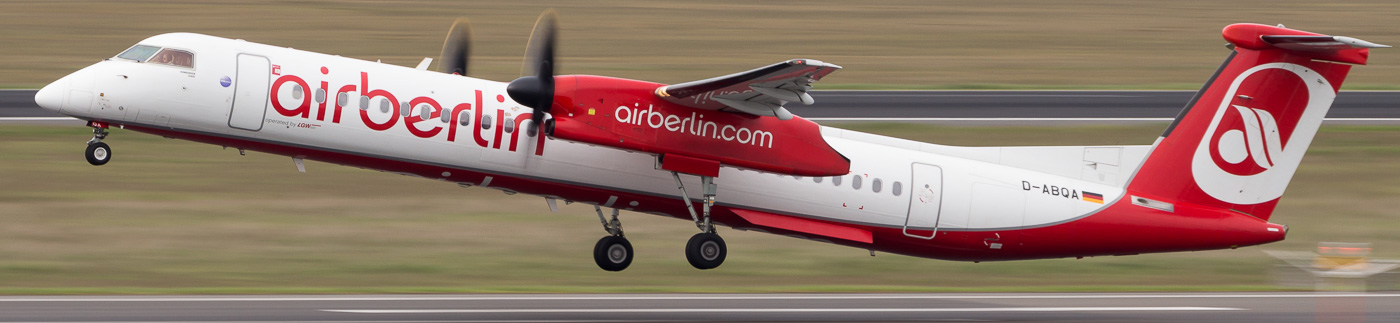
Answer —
456 49
536 89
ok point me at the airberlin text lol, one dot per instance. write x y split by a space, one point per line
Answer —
694 125
1051 190
463 115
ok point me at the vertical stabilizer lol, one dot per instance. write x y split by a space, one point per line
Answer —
1239 141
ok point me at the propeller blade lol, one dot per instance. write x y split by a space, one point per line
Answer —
536 89
456 50
541 45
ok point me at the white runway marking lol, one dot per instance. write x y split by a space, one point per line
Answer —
38 119
402 321
634 297
788 310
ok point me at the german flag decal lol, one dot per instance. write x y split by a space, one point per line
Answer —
1092 197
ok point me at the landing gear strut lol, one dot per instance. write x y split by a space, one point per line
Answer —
705 250
613 252
98 153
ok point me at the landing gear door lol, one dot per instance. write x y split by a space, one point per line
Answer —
250 92
926 202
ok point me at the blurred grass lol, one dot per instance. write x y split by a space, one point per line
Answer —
169 216
902 44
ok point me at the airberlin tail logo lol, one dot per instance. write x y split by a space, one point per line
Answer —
1260 131
1249 148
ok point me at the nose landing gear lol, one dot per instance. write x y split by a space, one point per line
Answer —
98 153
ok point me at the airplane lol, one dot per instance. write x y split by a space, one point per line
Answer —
725 151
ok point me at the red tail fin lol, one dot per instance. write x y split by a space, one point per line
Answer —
1238 142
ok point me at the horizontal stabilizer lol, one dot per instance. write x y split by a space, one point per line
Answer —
1318 43
1339 49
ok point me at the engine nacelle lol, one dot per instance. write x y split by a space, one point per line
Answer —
627 114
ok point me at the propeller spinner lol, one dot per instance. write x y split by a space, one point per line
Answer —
536 89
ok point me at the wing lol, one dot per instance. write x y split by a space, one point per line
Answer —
762 91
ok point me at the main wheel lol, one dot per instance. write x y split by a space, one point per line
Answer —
613 253
98 153
705 250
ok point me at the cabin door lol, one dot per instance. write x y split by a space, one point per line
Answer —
250 92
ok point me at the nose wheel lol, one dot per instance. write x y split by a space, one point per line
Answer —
98 153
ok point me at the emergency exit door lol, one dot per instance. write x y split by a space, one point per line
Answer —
925 201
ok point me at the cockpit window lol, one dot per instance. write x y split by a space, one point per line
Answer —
139 53
157 55
173 57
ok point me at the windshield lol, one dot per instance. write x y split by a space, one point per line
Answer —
174 57
139 53
157 55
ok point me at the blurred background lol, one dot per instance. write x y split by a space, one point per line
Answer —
882 44
177 217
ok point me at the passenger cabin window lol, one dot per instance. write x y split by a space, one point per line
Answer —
139 53
175 57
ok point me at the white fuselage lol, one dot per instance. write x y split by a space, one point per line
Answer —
968 189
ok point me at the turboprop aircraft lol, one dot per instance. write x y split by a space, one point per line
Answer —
726 152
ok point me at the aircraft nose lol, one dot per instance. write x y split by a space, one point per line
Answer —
51 96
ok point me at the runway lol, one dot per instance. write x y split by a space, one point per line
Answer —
958 106
1078 307
938 106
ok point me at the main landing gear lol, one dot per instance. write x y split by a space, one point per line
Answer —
613 252
98 153
705 250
